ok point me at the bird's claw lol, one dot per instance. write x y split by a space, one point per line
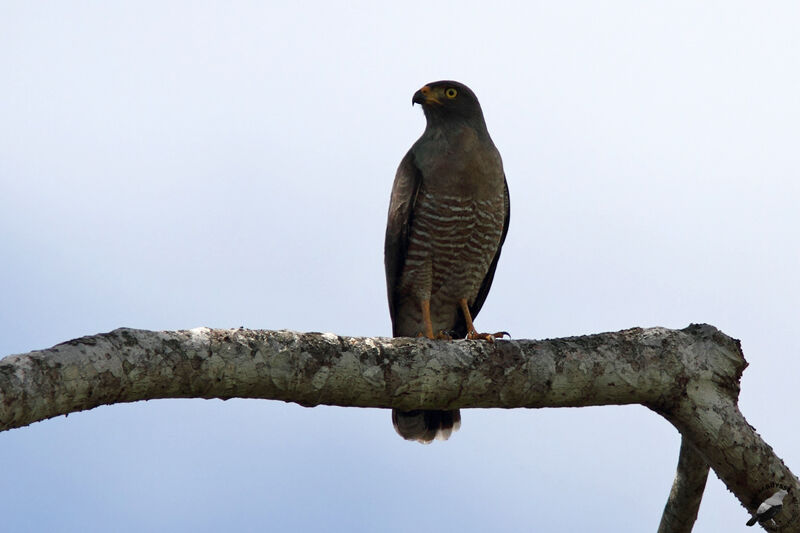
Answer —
441 336
474 335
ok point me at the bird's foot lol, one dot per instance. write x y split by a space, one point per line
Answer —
474 335
443 336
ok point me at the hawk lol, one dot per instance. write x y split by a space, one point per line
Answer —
448 219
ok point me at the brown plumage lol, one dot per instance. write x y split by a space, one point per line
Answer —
448 218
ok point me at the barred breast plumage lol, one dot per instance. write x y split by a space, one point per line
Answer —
448 218
451 245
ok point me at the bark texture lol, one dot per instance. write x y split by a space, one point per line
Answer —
684 500
689 376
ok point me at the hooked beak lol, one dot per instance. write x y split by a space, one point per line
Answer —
424 96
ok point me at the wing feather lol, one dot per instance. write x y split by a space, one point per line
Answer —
401 213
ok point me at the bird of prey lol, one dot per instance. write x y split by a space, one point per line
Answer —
448 219
768 508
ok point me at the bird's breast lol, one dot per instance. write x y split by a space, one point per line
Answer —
461 165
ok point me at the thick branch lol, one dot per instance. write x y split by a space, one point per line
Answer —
684 500
689 376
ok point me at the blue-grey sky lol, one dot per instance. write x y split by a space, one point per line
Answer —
166 165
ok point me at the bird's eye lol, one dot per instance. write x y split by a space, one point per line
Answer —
450 93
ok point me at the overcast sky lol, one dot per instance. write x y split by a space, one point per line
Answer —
167 165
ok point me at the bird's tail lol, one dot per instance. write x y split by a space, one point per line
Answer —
752 521
424 426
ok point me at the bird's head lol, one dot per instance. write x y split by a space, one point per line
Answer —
448 99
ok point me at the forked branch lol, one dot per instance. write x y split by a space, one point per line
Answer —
689 376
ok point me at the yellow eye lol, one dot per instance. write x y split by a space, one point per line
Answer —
451 93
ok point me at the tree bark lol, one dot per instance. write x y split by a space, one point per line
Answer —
689 376
684 499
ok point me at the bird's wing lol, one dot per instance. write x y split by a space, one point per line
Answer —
401 212
460 328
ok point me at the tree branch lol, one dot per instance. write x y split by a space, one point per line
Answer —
684 500
689 376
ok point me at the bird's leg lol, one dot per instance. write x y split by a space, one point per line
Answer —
471 333
426 318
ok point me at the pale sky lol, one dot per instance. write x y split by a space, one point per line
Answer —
167 165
